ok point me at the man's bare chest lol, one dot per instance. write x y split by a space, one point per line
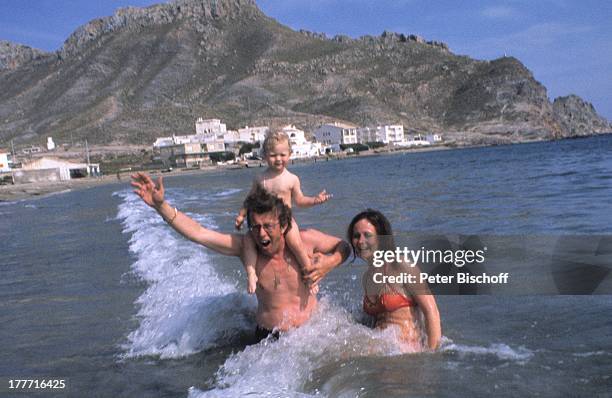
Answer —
275 274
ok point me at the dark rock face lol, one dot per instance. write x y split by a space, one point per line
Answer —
143 73
578 117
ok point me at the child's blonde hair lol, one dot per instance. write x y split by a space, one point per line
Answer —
273 138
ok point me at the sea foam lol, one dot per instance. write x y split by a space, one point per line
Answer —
179 311
284 367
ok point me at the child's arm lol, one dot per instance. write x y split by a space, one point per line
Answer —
240 218
307 201
242 213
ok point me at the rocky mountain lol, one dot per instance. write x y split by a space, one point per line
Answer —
12 56
578 117
147 72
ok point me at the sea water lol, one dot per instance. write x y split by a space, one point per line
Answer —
96 289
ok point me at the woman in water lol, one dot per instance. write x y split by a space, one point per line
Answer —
388 302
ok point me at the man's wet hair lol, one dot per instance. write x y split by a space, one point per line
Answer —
261 201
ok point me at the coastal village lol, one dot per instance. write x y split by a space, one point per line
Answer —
211 145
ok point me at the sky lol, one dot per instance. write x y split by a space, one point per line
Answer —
567 44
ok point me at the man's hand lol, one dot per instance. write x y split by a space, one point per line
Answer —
149 192
322 197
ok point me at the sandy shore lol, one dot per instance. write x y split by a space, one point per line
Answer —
9 193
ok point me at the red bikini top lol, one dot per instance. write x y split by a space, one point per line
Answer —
386 302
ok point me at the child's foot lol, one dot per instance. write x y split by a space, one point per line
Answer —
252 281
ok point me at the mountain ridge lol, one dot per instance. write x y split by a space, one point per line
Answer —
147 72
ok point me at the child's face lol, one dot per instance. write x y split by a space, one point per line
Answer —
278 156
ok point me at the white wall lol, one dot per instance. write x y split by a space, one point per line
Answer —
4 166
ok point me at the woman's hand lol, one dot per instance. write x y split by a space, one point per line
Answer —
151 193
319 268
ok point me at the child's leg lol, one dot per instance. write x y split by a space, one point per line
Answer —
294 241
249 259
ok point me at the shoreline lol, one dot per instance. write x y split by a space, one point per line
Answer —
18 192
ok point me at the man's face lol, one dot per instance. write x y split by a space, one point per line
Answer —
266 232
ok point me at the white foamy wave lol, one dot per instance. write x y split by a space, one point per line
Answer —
178 312
501 351
590 354
282 368
227 192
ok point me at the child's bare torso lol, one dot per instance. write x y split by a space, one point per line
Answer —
280 185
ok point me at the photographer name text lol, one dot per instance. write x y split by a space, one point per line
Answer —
460 277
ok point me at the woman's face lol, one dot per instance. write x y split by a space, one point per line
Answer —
365 239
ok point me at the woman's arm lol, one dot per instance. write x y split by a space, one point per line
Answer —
427 304
329 253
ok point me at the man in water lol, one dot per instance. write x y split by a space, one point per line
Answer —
284 300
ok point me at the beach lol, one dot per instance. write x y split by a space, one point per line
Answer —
14 192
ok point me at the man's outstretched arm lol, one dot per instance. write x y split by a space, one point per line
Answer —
153 195
329 252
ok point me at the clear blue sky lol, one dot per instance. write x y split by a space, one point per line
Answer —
567 44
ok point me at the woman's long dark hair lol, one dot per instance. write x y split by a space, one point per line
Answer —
380 223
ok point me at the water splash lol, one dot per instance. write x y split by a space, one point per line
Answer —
179 311
502 351
285 367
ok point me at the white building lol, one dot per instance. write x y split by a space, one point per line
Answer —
433 138
31 150
163 141
296 136
334 134
213 135
231 137
367 134
61 169
50 144
210 141
184 155
214 145
174 140
210 127
4 163
300 146
416 140
390 134
253 134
